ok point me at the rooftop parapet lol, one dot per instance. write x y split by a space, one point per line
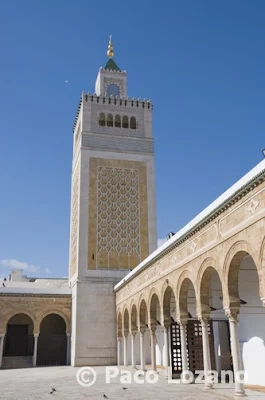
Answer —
118 101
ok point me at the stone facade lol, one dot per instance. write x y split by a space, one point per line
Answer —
116 213
215 244
37 307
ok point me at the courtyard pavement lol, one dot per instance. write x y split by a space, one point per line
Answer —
37 384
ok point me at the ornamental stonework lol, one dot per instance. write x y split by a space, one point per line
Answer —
118 214
74 222
118 227
113 109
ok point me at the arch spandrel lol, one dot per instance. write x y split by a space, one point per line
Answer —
12 313
58 312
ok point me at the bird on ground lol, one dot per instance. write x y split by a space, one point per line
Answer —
125 388
105 397
53 390
3 284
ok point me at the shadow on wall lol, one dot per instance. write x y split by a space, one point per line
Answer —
256 364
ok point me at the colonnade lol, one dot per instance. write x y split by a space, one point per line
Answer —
185 377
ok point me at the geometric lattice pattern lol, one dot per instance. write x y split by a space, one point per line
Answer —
194 332
176 349
74 221
118 207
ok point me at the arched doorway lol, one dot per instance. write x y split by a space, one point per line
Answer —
52 343
19 339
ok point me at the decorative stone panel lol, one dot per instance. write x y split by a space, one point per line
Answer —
74 221
118 214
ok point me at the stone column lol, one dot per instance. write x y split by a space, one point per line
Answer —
118 351
166 363
35 350
142 352
125 358
235 349
2 338
153 348
184 355
133 349
68 353
206 352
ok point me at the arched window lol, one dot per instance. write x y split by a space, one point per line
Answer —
133 123
117 121
110 120
125 122
102 119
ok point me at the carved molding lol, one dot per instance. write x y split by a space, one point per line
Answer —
232 314
252 206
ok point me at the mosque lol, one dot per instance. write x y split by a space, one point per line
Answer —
195 303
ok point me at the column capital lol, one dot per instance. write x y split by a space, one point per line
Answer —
166 328
68 334
152 329
232 314
263 301
133 333
182 322
204 319
142 329
36 334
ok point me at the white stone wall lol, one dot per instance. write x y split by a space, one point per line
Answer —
94 330
104 76
251 324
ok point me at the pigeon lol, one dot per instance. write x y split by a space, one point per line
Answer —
53 390
105 397
125 388
3 284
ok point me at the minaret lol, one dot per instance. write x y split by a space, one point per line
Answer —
113 212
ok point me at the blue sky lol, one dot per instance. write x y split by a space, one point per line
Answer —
201 62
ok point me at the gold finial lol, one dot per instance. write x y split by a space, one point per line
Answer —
110 52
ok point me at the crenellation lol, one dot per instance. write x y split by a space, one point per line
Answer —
117 100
